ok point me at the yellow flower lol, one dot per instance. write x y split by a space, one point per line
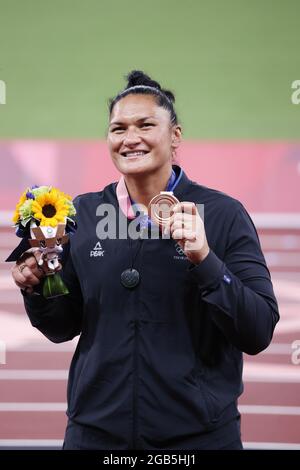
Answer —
50 208
16 217
22 198
20 203
67 196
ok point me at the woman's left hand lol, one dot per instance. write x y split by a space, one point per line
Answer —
187 227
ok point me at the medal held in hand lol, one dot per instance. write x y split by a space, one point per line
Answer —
43 215
160 207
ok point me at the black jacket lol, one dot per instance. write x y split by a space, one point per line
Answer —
159 366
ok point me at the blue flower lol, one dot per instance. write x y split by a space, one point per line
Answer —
30 195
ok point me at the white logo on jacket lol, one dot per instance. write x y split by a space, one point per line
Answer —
180 252
97 251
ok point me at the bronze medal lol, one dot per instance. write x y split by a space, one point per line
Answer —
160 207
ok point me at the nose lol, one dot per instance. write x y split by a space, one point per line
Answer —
131 137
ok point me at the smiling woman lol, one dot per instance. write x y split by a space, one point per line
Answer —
164 319
143 136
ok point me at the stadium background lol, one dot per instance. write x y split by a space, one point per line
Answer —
231 65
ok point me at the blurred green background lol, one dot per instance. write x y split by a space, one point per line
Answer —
231 64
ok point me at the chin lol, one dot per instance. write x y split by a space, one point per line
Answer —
134 167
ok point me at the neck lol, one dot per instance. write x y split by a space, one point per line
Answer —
143 189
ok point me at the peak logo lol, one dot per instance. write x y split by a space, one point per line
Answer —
97 251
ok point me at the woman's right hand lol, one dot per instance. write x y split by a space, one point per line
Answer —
26 272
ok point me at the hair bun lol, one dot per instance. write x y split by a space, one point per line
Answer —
140 83
137 77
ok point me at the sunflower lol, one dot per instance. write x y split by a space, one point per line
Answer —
50 208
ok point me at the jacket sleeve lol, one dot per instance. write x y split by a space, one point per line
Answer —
238 288
59 319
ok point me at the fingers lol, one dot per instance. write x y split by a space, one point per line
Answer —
185 212
187 227
184 222
23 276
27 289
31 267
182 226
182 234
185 207
26 272
180 220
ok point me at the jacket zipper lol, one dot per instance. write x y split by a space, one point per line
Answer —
135 408
135 387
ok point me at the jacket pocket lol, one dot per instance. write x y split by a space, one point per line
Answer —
210 402
220 385
199 398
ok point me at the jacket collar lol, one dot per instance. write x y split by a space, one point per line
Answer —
181 184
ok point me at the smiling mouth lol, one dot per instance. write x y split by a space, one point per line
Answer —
134 154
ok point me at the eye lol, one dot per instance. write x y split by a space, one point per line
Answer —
147 124
117 130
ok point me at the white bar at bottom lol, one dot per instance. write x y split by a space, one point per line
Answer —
31 443
58 443
271 446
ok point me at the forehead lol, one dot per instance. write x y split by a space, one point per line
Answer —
136 107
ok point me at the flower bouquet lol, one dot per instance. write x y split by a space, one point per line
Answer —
43 215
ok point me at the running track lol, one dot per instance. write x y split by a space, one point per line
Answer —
33 380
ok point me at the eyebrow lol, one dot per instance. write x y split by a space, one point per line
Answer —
114 123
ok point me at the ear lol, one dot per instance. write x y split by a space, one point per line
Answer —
176 136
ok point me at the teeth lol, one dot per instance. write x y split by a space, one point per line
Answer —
135 154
